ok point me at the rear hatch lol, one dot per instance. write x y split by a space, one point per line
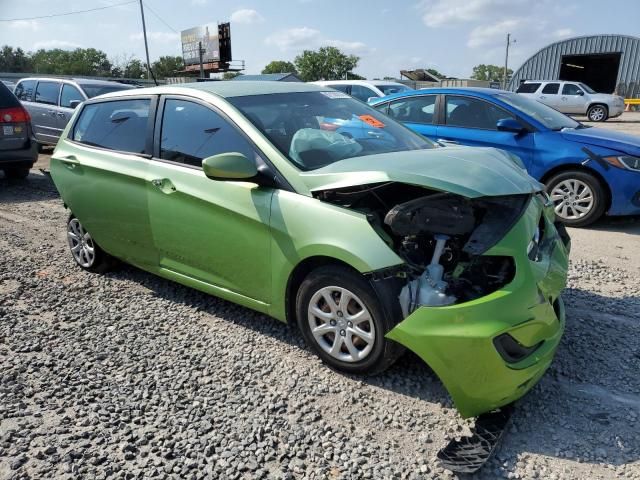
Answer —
14 121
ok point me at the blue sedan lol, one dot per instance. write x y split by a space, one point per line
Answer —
588 171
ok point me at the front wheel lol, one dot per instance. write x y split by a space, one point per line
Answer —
86 253
597 113
578 197
342 320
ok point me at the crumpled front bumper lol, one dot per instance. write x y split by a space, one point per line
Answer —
457 341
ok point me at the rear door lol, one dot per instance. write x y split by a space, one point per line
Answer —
216 232
416 112
100 170
472 121
550 95
44 112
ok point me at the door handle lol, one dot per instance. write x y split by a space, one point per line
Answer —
69 160
156 182
447 142
543 97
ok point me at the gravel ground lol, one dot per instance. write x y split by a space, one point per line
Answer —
126 375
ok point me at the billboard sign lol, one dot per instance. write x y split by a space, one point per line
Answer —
208 35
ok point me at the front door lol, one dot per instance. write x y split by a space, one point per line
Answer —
102 168
216 232
573 99
472 121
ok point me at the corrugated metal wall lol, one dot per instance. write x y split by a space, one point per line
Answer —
545 64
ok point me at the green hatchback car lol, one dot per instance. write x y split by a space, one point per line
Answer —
304 204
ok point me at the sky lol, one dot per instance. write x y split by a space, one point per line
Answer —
388 35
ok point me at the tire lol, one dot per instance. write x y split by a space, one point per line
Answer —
334 282
598 113
84 251
17 173
573 188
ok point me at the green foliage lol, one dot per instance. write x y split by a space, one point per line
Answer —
280 66
81 61
14 60
167 66
491 73
435 72
230 75
327 63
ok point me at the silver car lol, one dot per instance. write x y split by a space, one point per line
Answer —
574 98
51 102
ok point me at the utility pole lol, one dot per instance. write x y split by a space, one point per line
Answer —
146 46
506 62
200 53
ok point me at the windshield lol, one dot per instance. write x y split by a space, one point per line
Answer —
95 90
587 88
550 118
389 89
315 129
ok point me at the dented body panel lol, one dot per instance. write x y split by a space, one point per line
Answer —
457 341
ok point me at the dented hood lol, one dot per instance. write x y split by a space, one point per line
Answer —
470 172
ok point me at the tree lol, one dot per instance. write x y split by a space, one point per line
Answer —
135 69
354 76
167 66
280 66
81 61
327 63
436 73
14 60
491 73
230 75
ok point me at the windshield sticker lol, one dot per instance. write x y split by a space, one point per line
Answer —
369 120
335 94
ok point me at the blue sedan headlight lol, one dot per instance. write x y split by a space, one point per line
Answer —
624 161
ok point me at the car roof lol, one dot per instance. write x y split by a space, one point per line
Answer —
441 90
81 81
358 82
226 88
548 81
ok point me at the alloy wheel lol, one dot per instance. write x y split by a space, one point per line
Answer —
597 114
81 244
573 199
341 324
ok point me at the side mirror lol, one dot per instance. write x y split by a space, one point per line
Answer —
74 103
509 125
229 166
580 93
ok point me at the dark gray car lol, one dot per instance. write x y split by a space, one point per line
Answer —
51 102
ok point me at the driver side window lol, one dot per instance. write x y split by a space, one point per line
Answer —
571 89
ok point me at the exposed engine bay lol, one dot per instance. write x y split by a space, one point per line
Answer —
441 236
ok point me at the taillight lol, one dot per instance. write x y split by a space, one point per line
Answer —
14 115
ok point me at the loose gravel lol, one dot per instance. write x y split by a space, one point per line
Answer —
127 376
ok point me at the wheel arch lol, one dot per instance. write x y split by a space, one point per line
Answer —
602 104
581 168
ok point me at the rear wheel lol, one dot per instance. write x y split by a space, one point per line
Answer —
86 253
598 113
578 197
342 320
17 173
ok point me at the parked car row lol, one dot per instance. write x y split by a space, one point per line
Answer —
588 171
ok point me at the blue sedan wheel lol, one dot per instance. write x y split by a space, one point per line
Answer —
577 196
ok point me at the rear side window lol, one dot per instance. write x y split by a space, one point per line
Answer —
118 125
362 93
24 90
528 88
551 88
341 87
69 94
47 92
191 132
414 109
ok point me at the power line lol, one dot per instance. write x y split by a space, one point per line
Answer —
66 13
159 17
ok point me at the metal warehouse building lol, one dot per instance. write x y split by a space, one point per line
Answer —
607 63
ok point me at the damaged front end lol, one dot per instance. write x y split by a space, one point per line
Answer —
479 289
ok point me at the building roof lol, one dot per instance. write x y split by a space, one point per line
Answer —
270 77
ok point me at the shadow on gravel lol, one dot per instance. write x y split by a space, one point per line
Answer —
630 224
36 187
